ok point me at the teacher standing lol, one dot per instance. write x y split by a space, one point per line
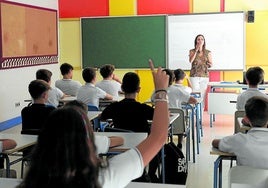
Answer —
201 60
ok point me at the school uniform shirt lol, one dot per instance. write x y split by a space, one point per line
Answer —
129 114
35 115
89 94
110 86
243 97
177 95
121 169
102 144
250 149
54 96
68 86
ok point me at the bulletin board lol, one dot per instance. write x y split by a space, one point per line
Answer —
29 35
126 42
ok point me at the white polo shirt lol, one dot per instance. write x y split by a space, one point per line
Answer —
250 149
177 95
110 86
121 169
89 94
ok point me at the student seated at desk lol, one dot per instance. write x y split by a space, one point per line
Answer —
89 93
251 148
67 85
6 144
54 94
65 154
254 76
103 143
35 115
111 83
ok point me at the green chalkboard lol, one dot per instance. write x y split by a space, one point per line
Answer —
126 42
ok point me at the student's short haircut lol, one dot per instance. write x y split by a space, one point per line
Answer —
106 70
130 82
89 74
37 87
171 76
65 68
256 109
77 104
254 75
179 74
44 74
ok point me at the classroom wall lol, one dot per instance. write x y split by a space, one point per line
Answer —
14 82
255 32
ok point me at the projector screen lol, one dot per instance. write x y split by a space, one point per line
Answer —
223 32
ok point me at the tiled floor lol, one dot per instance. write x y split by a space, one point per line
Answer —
201 172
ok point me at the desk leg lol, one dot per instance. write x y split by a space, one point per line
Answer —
163 164
7 165
217 169
193 135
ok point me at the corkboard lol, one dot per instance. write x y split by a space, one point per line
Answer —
29 35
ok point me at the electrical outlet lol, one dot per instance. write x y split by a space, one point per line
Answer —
17 104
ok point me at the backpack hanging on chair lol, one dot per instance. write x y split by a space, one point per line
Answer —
176 169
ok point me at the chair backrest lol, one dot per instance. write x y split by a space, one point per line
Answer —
179 125
92 107
244 176
237 114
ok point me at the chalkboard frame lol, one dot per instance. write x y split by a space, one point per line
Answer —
104 41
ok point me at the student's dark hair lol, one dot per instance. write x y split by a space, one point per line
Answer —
130 82
171 76
64 155
256 109
254 75
195 41
106 70
179 74
77 104
44 74
65 68
37 87
89 74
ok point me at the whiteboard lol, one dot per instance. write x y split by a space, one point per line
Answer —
223 32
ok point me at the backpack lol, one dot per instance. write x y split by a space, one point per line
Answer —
176 169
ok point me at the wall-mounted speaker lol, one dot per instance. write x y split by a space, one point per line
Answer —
251 16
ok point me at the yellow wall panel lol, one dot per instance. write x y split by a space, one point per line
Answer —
122 7
234 5
257 40
206 6
147 85
70 45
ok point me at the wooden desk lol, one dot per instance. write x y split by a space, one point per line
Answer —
217 180
9 182
131 140
23 142
155 185
67 99
93 114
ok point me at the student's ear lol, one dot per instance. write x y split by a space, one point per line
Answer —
45 95
138 90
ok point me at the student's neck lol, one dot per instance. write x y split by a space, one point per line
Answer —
39 101
253 86
130 95
108 78
66 77
179 82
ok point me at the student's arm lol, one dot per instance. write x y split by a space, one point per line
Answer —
215 143
115 78
192 100
116 141
108 97
8 144
159 129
